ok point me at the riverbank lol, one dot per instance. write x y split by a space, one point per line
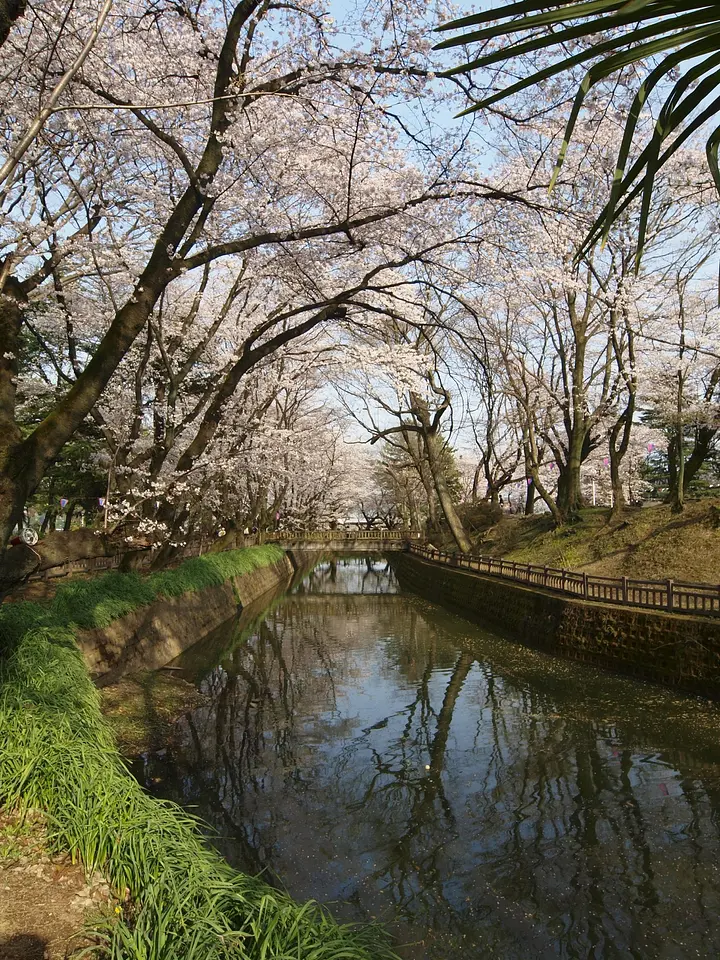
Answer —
179 607
177 898
649 542
143 708
675 650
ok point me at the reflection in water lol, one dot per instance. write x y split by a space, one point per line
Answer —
369 749
345 575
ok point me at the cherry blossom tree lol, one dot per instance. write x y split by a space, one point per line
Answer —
681 376
266 134
565 323
407 403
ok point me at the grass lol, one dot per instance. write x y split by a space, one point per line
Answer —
58 754
651 542
97 602
88 604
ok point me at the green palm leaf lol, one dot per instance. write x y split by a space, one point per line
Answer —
620 33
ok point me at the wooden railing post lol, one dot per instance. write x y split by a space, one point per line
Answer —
625 589
545 577
585 585
669 594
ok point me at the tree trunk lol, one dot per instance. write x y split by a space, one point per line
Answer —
48 521
623 425
430 495
10 11
678 495
69 516
702 447
432 443
678 500
13 491
413 512
476 483
530 498
618 496
569 496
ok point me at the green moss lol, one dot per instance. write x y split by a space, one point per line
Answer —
58 754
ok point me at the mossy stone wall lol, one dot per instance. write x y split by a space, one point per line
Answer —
678 651
152 636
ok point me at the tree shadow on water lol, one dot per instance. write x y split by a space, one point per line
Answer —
23 946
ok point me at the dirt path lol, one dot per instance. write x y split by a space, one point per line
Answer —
44 900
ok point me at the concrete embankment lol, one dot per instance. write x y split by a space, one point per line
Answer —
675 650
153 635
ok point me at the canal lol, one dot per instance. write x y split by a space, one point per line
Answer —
375 752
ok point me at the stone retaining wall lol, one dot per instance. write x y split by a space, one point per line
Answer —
675 650
154 635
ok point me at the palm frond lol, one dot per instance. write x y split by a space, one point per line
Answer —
674 34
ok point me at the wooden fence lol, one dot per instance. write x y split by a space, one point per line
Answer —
86 565
673 596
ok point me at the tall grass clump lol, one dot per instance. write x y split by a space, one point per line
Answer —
57 753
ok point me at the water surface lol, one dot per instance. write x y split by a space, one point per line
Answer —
373 751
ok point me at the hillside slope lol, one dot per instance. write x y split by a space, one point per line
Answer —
650 542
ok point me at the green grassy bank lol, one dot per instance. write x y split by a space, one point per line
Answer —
57 753
651 542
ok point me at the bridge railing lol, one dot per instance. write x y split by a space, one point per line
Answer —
673 596
340 536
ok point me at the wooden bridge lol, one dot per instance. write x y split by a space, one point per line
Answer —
345 541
